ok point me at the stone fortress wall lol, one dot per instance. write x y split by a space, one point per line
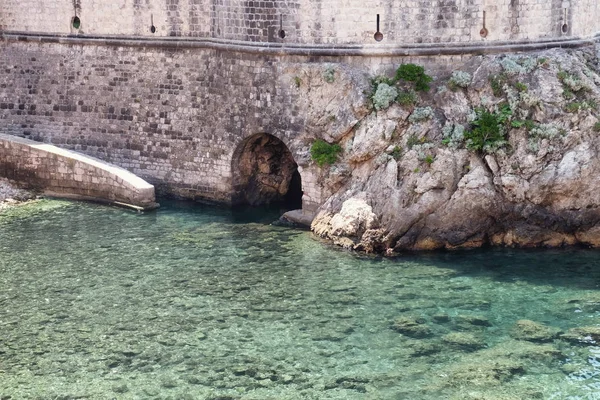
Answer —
341 22
175 106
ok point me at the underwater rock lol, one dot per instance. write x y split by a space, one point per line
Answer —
472 320
484 372
425 348
441 318
463 341
525 329
413 327
584 334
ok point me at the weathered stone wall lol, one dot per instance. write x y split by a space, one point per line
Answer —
63 173
310 21
174 110
176 117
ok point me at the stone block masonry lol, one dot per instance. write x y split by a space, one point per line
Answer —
323 22
63 173
173 105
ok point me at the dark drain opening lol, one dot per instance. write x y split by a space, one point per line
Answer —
76 22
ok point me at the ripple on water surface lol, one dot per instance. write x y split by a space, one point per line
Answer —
192 302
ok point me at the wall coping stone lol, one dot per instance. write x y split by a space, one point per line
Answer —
283 49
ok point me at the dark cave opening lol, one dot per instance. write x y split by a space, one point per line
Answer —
265 173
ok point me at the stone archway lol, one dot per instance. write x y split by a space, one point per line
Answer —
264 172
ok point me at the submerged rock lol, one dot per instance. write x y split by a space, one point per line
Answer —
11 195
533 331
463 341
584 334
413 327
466 321
485 373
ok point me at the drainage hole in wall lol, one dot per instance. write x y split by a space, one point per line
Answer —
76 22
282 33
153 29
565 28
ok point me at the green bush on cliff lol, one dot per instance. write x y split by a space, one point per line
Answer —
384 96
324 153
414 73
408 79
488 132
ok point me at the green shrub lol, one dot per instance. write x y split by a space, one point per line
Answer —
597 127
497 82
567 94
488 130
384 96
297 81
459 79
453 135
521 87
571 82
412 141
420 114
575 106
527 123
541 132
408 98
414 73
324 153
517 66
396 153
329 75
429 160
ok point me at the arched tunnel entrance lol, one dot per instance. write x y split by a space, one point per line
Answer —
265 173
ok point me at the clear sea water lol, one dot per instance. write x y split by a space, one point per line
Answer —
194 302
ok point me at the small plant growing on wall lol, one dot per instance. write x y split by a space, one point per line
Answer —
323 153
329 75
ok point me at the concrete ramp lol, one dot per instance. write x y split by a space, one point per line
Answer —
63 173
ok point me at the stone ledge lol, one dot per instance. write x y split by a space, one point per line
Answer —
284 49
63 173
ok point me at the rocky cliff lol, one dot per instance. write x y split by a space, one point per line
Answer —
502 152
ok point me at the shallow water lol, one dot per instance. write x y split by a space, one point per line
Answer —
193 302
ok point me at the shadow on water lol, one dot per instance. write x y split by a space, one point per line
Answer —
572 266
242 214
575 267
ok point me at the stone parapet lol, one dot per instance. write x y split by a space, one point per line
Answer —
328 22
63 173
285 49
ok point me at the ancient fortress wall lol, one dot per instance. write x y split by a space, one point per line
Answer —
312 21
174 105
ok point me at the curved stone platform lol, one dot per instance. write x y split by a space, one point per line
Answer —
63 173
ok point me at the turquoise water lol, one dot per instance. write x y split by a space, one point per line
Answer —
194 302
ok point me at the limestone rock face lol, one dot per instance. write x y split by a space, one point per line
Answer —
414 182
